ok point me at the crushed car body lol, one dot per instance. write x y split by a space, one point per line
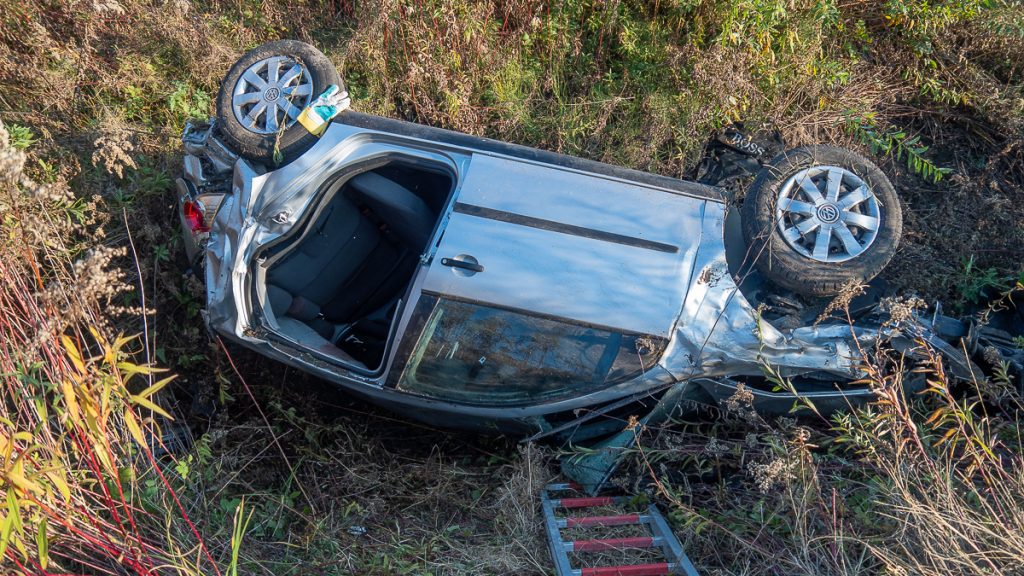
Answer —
477 284
631 272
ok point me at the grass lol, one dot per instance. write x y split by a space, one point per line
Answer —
928 485
93 98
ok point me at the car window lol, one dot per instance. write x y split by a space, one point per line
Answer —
476 354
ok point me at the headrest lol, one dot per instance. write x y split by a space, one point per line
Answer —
405 213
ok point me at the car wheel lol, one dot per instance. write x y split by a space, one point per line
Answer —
817 218
261 97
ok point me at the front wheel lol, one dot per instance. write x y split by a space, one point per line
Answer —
262 95
820 217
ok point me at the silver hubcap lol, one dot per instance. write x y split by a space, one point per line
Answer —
828 214
270 94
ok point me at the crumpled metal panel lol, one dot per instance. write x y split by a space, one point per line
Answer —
719 333
227 253
198 140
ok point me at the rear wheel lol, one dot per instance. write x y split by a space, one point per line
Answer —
262 94
820 217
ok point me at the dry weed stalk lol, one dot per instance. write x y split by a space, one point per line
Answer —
75 434
923 483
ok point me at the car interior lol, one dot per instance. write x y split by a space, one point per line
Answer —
335 287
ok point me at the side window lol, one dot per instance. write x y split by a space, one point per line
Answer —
475 354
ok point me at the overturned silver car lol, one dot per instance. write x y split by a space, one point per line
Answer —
478 284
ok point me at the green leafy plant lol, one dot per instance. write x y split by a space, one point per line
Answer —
188 102
923 17
975 283
894 142
21 137
1007 19
151 179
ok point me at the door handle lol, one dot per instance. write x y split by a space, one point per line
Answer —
463 262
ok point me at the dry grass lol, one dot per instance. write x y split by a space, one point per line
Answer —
95 94
923 484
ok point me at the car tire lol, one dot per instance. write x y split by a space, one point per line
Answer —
815 243
302 73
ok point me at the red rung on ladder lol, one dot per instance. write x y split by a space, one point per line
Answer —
585 502
660 569
659 536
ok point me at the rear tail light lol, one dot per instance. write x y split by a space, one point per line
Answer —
197 213
194 217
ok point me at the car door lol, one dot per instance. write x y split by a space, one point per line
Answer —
569 245
547 280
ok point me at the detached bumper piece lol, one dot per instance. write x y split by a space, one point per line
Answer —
658 535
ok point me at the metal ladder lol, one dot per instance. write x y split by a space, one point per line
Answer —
661 536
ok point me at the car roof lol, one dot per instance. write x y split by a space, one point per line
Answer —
497 147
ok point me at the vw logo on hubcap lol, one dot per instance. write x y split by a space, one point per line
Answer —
272 94
828 213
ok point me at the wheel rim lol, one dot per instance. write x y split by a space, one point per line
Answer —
270 94
828 214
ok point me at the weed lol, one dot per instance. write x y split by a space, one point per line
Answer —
974 283
21 137
77 423
238 530
151 180
188 102
897 143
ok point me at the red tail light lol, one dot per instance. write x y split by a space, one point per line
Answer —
194 217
